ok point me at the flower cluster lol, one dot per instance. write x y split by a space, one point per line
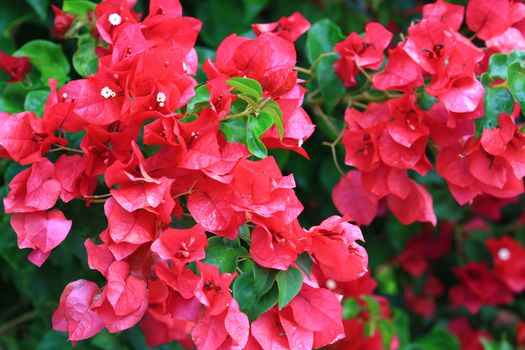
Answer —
439 101
192 214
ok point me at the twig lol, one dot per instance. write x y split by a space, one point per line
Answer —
6 327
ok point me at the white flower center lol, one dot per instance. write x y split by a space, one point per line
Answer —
115 19
300 142
184 66
106 92
330 284
504 254
64 95
161 98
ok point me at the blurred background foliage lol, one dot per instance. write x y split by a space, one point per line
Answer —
29 295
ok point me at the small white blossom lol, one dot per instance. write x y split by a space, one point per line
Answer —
300 142
64 95
184 66
330 284
504 254
115 19
106 92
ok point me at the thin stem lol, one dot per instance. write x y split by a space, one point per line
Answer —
63 148
304 70
319 111
188 192
238 115
362 70
332 146
320 58
6 327
249 101
99 196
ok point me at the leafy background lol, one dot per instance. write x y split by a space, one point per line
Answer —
29 295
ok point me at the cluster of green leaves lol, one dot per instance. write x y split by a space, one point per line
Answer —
504 84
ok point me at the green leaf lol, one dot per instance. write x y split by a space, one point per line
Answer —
202 96
438 339
493 345
79 8
321 39
250 301
516 56
425 101
516 83
48 58
273 110
388 330
247 86
224 253
234 130
40 7
372 306
85 60
263 278
255 128
305 263
35 101
498 66
289 283
351 308
497 101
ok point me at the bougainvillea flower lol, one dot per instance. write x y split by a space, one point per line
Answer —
181 245
123 300
478 286
16 67
334 247
508 257
400 73
267 58
228 330
74 314
272 250
349 191
289 28
488 18
424 303
444 12
136 228
24 137
41 231
70 172
61 23
363 52
33 189
469 338
213 289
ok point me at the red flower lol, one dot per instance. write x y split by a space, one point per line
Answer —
479 286
181 245
289 28
509 262
41 231
24 137
123 300
61 23
424 303
470 339
350 191
212 290
227 330
488 18
33 189
363 52
74 315
444 12
333 246
16 67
